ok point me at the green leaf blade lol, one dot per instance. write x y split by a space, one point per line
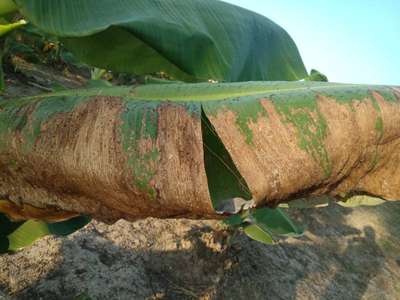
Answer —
7 6
189 40
27 234
276 221
69 226
15 236
6 28
259 234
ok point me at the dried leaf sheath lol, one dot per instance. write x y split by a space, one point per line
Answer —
138 152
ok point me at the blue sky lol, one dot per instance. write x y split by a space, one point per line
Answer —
353 41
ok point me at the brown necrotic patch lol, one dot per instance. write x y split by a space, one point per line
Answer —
181 181
78 163
75 162
274 166
277 167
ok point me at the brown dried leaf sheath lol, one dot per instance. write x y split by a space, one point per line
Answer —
123 153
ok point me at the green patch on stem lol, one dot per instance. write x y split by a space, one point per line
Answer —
379 126
140 127
379 120
247 109
347 94
43 112
301 111
28 115
376 105
246 114
13 164
387 93
375 160
11 119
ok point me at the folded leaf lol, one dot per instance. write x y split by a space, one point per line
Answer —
189 40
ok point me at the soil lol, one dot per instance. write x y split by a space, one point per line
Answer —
344 254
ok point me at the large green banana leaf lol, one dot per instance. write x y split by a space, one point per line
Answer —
191 149
7 6
189 40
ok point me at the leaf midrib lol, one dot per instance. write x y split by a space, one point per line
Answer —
208 93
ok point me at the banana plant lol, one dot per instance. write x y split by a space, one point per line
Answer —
197 150
193 41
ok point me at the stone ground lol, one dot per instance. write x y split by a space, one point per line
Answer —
345 254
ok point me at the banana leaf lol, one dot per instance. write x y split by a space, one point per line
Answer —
18 235
275 222
264 224
7 6
361 200
259 234
191 40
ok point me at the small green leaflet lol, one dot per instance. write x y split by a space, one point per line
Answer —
27 234
18 235
6 228
255 232
357 201
264 224
276 222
